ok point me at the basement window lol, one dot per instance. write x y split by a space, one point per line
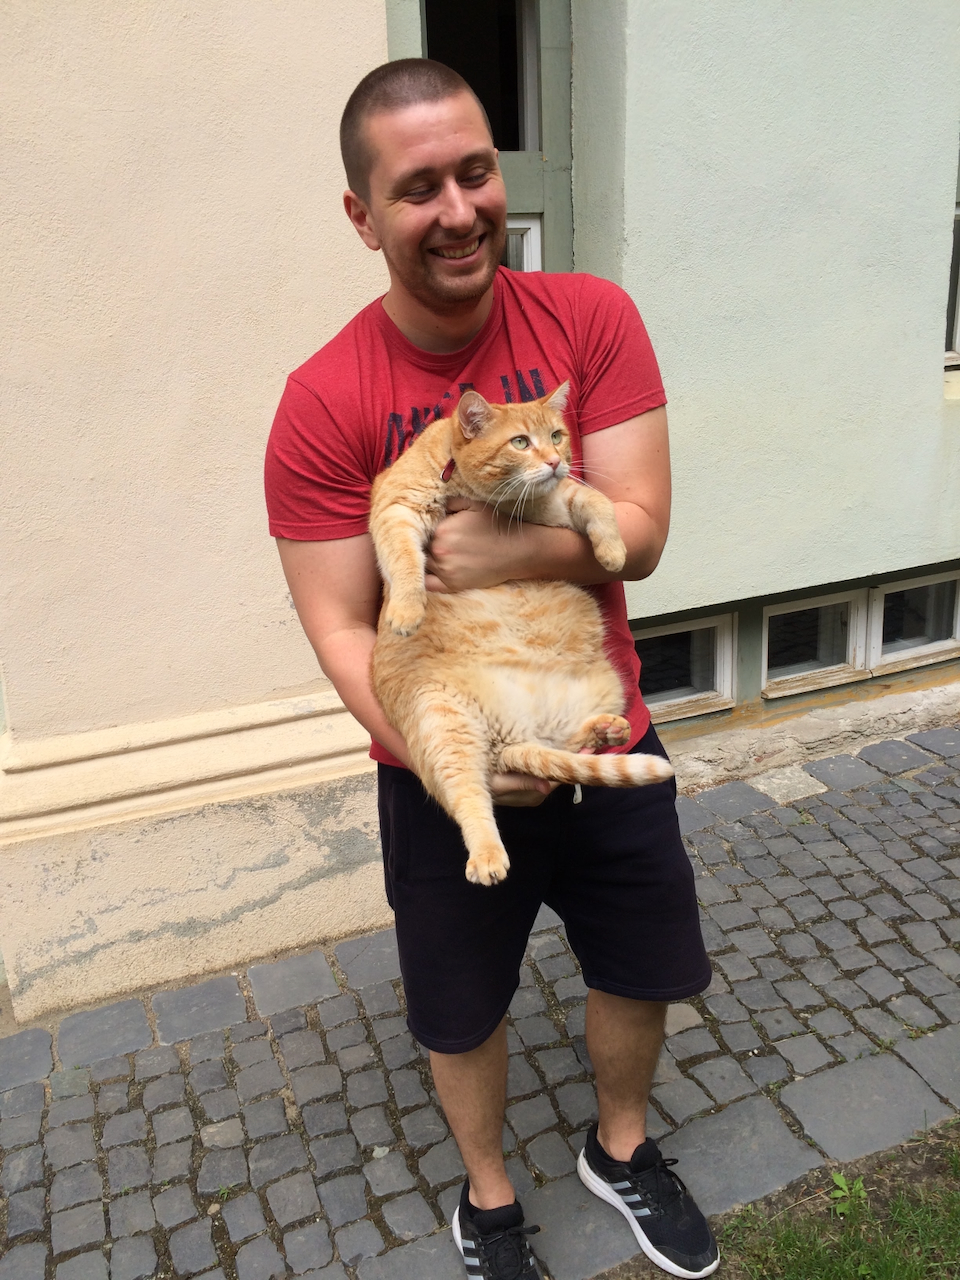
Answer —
914 623
813 644
522 250
686 668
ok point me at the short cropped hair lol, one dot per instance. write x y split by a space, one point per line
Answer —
389 88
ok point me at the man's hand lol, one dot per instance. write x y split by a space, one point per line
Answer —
519 790
469 548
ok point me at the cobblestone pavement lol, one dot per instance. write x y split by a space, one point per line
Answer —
280 1121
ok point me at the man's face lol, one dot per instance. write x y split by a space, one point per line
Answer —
437 204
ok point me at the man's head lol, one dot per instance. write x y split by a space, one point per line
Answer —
425 186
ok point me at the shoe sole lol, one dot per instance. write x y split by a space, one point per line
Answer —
593 1182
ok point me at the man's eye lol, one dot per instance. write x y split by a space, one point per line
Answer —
520 442
475 177
557 437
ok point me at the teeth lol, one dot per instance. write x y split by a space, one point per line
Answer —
460 253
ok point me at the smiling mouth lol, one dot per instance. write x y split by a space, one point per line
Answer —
465 252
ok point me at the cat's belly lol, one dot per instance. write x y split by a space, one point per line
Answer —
533 704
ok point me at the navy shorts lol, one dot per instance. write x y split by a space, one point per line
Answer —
613 867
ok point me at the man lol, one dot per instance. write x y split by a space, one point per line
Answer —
425 189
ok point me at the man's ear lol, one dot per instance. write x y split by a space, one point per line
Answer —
558 399
474 414
359 215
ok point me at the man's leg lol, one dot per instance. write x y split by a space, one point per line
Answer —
473 1093
624 1038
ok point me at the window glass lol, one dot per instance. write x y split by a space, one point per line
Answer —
807 639
678 665
918 616
481 40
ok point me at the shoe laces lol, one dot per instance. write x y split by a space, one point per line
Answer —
660 1184
508 1253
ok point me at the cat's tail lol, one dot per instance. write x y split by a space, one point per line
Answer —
592 771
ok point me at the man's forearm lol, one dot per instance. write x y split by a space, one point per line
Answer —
345 659
568 556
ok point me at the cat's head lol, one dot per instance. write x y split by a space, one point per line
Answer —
506 451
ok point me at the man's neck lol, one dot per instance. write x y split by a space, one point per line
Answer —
439 332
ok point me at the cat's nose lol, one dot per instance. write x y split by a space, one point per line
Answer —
554 462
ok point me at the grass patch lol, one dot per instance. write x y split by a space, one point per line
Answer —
895 1216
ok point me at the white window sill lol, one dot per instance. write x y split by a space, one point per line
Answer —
809 681
700 704
919 657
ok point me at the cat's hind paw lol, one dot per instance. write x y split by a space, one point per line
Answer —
607 731
488 867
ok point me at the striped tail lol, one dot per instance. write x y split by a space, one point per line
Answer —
592 771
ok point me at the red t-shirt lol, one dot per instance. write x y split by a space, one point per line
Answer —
354 407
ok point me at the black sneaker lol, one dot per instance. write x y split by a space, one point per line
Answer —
669 1227
493 1241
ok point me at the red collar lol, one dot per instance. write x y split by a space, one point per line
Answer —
448 470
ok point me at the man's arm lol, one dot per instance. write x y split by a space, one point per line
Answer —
629 462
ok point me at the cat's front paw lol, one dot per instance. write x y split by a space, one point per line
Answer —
404 616
488 867
610 553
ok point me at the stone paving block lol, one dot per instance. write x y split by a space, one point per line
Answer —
76 1185
158 1061
942 742
69 1084
577 1104
208 1076
293 1199
806 908
320 1119
740 1036
424 1127
21 1169
265 1118
799 994
923 935
372 1128
133 1259
536 1031
408 1217
22 1101
26 1212
830 1022
527 1000
368 960
85 1266
103 1033
535 1114
741 1154
244 1217
333 1154
366 1088
767 1069
845 993
274 1157
20 1131
223 1134
778 1022
521 1077
191 1248
308 1248
865 1106
434 1258
856 1045
753 942
736 965
249 1052
910 1009
947 961
388 1174
344 1199
205 1047
853 959
804 1053
948 1007
930 981
266 1077
172 1162
302 1049
175 1206
309 1084
723 1078
550 1155
128 1168
691 1044
73 1228
70 1145
936 1058
407 1088
442 1163
734 800
843 772
399 1051
25 1262
190 1011
557 1065
113 1097
260 1260
297 980
25 1057
358 1241
731 915
171 1126
681 1100
692 816
758 993
894 757
130 1214
129 1126
69 1110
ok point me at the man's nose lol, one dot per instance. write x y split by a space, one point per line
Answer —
456 209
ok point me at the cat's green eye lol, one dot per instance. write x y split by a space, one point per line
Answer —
557 437
520 442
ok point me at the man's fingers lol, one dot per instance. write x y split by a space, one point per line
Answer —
519 790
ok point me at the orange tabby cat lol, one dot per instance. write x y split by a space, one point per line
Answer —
507 678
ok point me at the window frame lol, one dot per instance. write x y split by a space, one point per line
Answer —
921 655
531 224
854 669
720 698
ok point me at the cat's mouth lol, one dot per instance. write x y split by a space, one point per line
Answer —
466 251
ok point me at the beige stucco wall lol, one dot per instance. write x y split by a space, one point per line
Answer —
774 184
173 246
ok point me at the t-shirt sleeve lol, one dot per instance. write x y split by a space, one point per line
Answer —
317 487
620 377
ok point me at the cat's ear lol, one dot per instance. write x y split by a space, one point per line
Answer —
474 414
558 399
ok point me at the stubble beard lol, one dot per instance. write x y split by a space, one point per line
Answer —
443 295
